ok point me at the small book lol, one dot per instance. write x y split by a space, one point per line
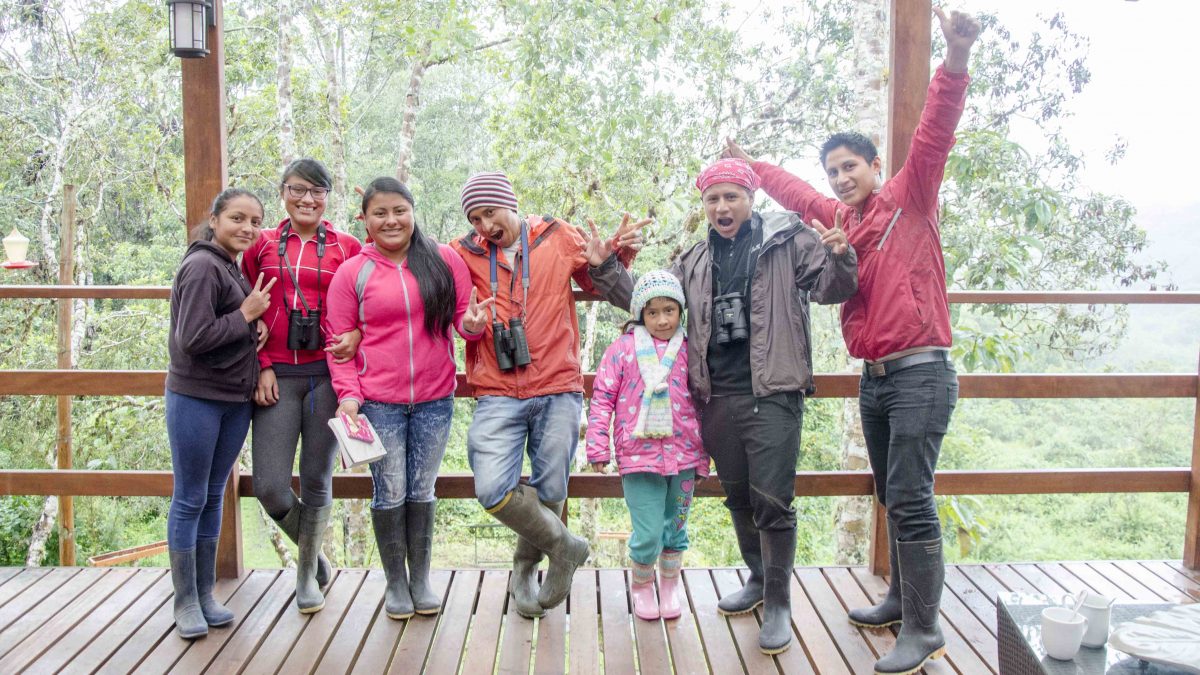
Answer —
355 452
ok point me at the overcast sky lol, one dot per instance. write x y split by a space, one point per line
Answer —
1143 63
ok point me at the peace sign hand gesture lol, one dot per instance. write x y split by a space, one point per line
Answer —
256 304
833 237
627 237
475 318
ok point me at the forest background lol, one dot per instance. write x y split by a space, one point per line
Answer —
593 108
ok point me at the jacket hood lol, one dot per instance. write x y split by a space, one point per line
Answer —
210 248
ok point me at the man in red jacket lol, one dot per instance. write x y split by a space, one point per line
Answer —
899 322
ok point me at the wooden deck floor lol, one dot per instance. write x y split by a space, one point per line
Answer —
85 620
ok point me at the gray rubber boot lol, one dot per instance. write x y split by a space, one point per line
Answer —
215 613
289 524
390 538
420 549
888 611
922 573
779 556
523 583
189 620
751 595
524 514
313 520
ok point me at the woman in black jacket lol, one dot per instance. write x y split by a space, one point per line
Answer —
215 331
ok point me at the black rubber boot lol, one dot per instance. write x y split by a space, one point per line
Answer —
390 526
922 574
523 583
524 514
779 556
215 613
189 620
313 520
888 611
751 595
420 550
289 524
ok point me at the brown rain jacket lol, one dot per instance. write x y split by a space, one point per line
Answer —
791 265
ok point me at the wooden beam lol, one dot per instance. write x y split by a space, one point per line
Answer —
205 156
833 385
591 485
229 547
879 556
64 455
911 22
1191 530
956 297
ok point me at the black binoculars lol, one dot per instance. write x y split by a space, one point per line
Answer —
511 348
730 316
304 332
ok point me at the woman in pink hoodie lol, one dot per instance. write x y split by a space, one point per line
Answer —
641 393
404 292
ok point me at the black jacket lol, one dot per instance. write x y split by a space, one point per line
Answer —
212 347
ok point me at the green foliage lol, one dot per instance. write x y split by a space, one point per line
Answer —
593 108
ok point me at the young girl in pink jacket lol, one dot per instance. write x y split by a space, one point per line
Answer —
641 394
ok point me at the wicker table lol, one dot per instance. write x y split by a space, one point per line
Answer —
1019 628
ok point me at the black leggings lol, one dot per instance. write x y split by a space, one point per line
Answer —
305 405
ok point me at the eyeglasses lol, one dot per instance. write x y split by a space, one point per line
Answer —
298 191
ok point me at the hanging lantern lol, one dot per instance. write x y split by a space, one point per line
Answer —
189 21
16 247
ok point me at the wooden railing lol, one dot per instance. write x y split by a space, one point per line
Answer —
827 484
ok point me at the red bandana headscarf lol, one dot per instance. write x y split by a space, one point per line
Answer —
728 170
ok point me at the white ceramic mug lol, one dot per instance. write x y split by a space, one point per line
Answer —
1097 609
1062 632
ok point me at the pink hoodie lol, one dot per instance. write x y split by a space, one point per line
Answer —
616 401
398 360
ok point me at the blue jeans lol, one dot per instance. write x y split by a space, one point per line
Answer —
414 436
658 510
504 429
206 437
905 416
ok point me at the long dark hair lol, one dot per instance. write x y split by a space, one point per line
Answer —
434 280
309 169
204 230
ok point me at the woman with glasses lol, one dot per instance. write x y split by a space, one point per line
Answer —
294 396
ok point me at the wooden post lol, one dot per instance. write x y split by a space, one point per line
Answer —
229 548
66 275
879 559
205 165
911 31
1191 531
205 156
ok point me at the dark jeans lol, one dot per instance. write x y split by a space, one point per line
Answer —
904 418
414 436
755 443
306 403
206 437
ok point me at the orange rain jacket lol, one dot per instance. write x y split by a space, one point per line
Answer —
556 256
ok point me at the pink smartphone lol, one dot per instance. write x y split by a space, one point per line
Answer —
364 429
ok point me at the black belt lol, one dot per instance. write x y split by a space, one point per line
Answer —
888 367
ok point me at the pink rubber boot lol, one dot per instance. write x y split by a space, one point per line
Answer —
668 583
645 605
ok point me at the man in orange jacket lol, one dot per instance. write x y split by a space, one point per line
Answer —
525 371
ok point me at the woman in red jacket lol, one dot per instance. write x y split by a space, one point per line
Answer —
294 396
404 293
899 323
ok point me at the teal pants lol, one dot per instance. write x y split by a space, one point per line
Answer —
658 506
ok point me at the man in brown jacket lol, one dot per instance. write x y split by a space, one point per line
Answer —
747 287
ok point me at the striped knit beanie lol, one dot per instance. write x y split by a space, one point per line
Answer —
656 284
488 188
